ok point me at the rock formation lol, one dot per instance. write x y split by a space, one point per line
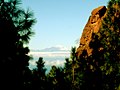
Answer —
92 26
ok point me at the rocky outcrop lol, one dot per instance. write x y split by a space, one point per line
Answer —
92 26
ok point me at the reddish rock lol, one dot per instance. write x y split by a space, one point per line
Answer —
92 26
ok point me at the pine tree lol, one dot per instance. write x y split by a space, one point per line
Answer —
106 49
68 73
73 57
39 75
15 31
111 44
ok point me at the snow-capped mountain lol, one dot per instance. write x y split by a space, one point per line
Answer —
53 49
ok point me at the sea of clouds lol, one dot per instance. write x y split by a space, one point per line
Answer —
50 58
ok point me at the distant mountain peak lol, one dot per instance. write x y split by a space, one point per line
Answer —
57 48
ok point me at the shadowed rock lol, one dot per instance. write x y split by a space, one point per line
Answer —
92 26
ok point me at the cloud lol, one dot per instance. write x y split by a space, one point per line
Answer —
32 62
57 48
55 62
59 62
50 59
50 54
60 47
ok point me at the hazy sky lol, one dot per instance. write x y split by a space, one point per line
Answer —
59 22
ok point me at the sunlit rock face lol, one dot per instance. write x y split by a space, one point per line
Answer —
92 26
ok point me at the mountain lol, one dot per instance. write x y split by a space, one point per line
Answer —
93 25
53 49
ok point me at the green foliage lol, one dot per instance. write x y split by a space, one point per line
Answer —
15 31
68 70
98 71
106 49
39 76
101 70
56 78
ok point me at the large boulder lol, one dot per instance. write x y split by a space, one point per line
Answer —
92 26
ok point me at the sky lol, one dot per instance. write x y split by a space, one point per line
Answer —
59 22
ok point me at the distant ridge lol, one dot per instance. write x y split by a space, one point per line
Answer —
52 49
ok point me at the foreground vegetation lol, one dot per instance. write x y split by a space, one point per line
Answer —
99 71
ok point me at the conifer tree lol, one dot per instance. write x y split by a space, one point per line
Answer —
101 70
39 75
73 57
110 40
15 31
106 48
